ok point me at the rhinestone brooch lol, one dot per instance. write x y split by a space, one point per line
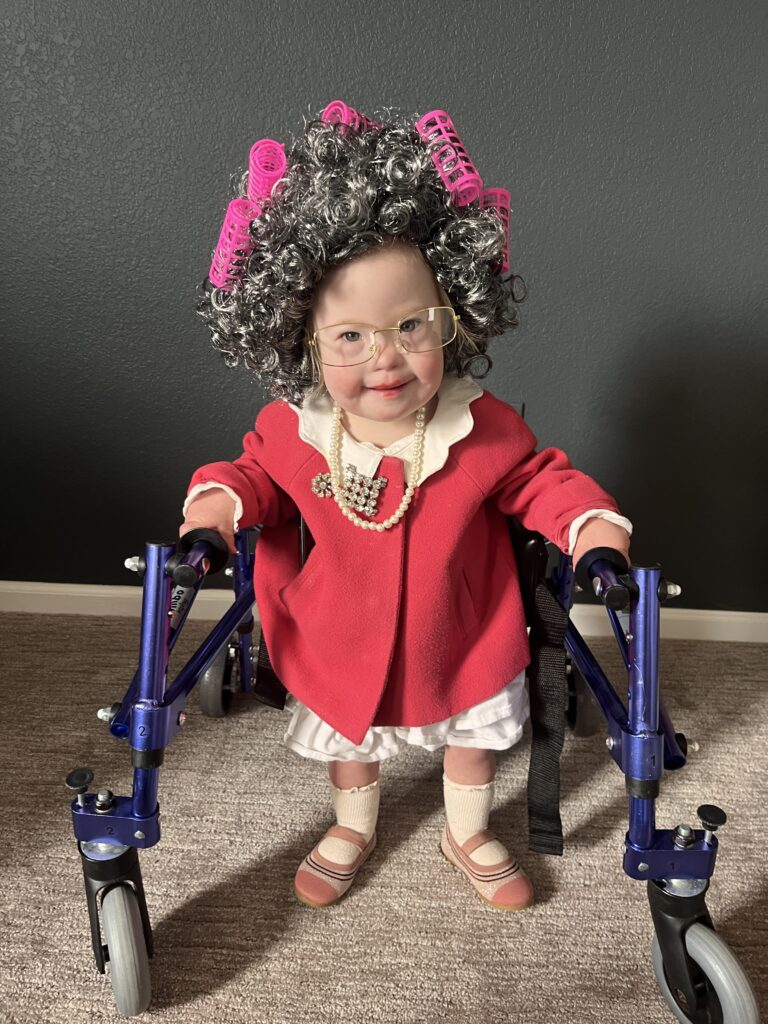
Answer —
360 492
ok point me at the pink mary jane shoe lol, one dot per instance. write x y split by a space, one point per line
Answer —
504 886
320 882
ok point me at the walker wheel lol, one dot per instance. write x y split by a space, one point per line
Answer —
583 713
728 997
219 681
126 950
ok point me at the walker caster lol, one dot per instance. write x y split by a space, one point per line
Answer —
220 681
126 951
725 994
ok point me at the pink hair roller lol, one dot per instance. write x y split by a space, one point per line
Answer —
499 199
235 244
266 165
456 169
338 111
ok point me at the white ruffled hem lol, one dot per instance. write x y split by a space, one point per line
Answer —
494 724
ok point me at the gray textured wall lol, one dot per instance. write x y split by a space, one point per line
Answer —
628 134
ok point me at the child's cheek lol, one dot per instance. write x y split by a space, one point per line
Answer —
342 384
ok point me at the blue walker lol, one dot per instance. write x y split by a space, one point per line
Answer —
698 975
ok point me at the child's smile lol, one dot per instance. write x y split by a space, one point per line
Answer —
390 390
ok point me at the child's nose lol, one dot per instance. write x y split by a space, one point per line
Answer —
387 352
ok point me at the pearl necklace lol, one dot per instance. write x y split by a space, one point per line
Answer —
334 464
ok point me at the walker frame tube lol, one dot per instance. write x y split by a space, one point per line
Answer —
150 714
641 738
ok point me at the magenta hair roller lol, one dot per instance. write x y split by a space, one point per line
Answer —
456 169
266 165
235 244
499 199
338 111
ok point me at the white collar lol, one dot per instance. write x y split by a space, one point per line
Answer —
451 422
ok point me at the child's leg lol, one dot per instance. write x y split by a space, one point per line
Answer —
346 774
355 795
469 766
330 868
468 789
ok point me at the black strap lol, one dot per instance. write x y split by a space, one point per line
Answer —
267 687
548 692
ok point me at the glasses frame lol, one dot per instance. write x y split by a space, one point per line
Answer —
374 346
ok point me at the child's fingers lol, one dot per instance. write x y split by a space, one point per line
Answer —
194 524
212 510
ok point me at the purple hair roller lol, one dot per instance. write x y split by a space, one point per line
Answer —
456 169
235 244
499 199
338 111
266 164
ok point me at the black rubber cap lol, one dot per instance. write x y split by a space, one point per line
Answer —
79 779
711 817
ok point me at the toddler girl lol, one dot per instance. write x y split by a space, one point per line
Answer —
363 295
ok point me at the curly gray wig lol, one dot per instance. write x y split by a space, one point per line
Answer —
345 191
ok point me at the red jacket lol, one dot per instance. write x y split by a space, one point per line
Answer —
419 622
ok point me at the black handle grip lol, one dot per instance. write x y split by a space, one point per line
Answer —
213 547
608 565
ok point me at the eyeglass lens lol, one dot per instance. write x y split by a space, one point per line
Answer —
349 343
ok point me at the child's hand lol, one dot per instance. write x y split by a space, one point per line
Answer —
599 533
213 510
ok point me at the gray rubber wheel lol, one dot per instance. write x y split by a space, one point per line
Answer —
724 974
128 959
583 714
216 684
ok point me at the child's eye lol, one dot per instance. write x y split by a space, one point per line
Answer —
413 321
350 336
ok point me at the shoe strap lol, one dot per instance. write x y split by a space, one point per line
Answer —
478 839
342 832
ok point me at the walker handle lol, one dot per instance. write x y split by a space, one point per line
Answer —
610 568
210 545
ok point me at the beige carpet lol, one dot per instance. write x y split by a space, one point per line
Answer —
411 942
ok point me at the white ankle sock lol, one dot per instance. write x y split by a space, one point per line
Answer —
467 809
358 809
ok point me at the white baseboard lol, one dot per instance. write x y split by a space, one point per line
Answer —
91 599
210 605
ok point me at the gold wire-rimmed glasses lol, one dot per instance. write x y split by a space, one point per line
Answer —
349 344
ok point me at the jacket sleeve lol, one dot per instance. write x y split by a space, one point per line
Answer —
546 493
263 500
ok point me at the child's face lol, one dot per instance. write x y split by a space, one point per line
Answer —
379 288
